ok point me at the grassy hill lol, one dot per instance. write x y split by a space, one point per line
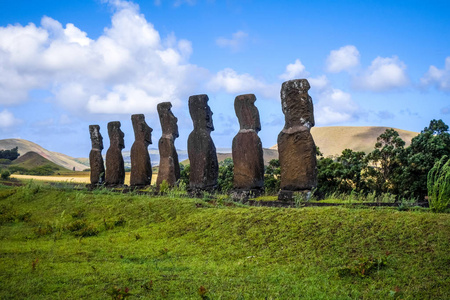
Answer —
333 140
25 146
32 160
70 244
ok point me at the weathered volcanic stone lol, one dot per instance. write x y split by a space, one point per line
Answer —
141 167
169 168
296 148
201 150
95 156
115 169
247 147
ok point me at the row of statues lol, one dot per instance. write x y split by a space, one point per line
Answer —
297 151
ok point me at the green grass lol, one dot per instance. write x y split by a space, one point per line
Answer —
67 244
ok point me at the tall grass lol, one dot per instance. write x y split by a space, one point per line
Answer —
439 185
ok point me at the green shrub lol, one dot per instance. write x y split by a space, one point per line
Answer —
438 184
5 174
164 187
4 161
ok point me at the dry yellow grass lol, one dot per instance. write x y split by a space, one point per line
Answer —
77 177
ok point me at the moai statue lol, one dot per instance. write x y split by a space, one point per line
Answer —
247 148
201 150
95 156
169 168
296 148
141 167
115 169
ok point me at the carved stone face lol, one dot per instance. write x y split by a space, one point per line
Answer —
116 136
201 113
142 132
168 120
208 118
297 104
247 113
96 137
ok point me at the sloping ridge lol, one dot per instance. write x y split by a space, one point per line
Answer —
25 146
32 160
333 140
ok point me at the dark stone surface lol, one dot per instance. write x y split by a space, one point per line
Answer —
115 169
247 147
201 149
95 156
141 167
296 147
169 167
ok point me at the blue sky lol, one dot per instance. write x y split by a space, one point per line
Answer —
67 64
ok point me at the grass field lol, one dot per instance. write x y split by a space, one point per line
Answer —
69 244
73 177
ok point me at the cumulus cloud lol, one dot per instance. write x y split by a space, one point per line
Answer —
331 105
235 43
345 58
128 69
230 81
438 77
294 71
7 119
384 74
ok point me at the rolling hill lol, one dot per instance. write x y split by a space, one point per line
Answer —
32 160
331 141
334 139
25 146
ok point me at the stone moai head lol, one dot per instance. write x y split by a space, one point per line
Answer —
142 132
297 104
201 113
168 120
246 112
116 135
96 137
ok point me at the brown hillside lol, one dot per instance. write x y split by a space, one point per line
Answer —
32 160
27 146
334 139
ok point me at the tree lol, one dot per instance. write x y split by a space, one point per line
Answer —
10 154
387 160
425 150
272 179
342 174
184 174
226 174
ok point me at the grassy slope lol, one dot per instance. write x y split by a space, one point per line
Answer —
169 247
32 160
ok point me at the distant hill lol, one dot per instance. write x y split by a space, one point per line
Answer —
25 146
32 160
334 139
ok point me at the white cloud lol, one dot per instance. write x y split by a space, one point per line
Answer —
385 73
231 82
7 119
235 43
129 68
319 83
331 105
294 71
345 58
438 77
